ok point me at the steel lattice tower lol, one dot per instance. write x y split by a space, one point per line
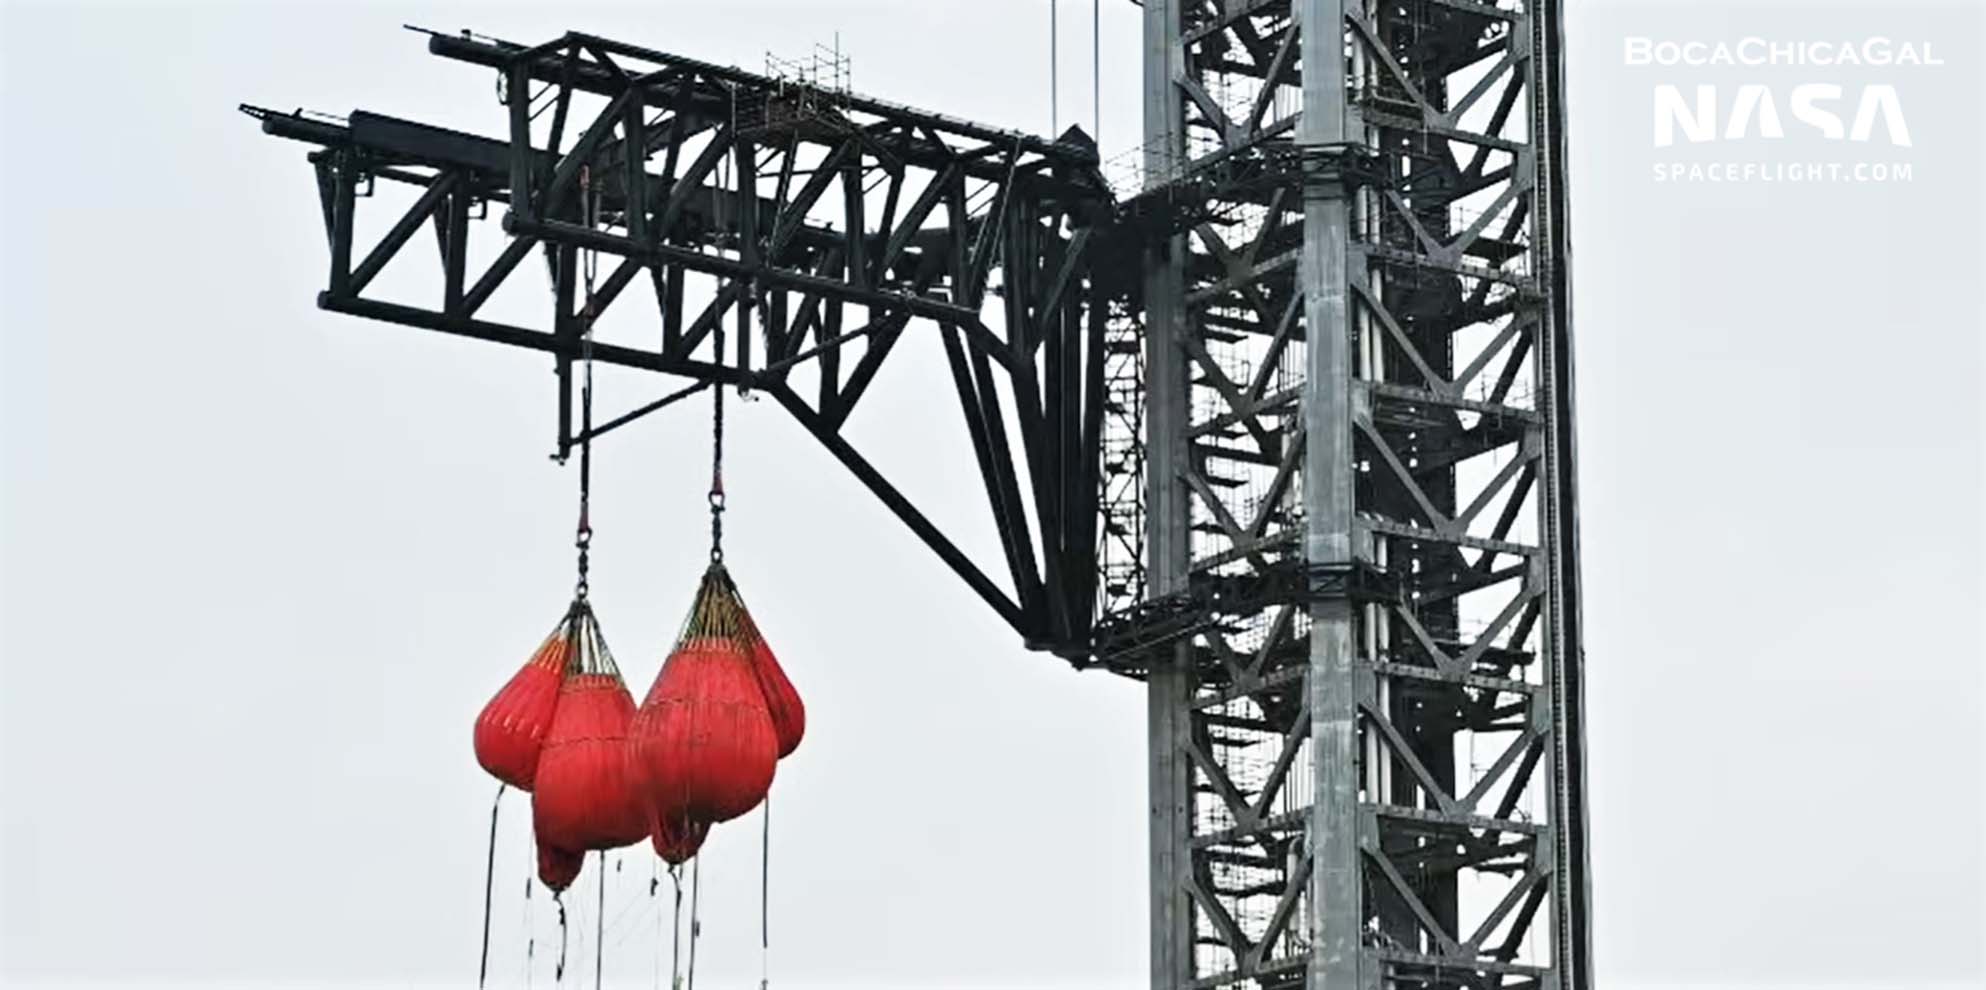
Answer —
1286 434
1366 771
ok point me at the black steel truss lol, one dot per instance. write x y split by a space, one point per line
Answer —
827 226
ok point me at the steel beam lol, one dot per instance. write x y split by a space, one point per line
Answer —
1167 410
1337 910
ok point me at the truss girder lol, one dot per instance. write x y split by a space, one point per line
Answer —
813 232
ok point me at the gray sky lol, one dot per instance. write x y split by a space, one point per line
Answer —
263 564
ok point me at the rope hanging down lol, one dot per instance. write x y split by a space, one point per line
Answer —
654 886
696 920
558 972
530 933
489 888
765 890
676 931
600 923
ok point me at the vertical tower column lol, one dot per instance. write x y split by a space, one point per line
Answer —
1337 912
1170 678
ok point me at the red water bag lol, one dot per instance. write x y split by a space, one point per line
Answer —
676 841
703 747
557 868
782 702
584 799
511 729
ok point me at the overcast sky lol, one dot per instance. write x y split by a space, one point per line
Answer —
263 564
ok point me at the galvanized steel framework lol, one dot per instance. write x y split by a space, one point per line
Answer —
1287 434
1365 763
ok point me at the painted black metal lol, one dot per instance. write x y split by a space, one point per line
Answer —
726 184
1126 642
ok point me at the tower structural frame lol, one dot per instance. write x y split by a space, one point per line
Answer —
1366 759
1286 434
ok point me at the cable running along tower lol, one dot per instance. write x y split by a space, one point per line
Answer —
1284 431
